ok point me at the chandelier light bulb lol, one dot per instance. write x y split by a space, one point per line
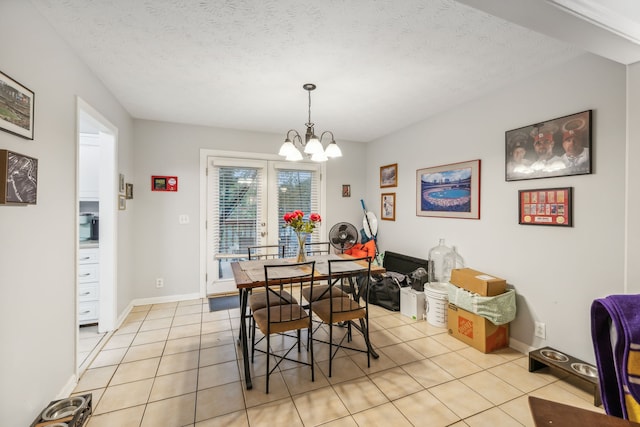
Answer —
286 148
313 146
333 150
319 157
294 155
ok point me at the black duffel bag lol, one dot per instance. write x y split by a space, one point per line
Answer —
385 290
402 270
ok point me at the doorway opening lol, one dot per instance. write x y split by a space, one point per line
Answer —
97 208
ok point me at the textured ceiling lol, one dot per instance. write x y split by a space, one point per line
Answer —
379 65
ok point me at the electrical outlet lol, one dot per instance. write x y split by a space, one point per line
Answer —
159 283
541 330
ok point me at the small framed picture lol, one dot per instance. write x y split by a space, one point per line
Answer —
546 206
122 202
18 179
164 183
388 206
121 184
389 176
16 107
346 190
129 191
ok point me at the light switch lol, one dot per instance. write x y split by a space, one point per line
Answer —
183 219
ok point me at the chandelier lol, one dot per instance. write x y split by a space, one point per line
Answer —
311 144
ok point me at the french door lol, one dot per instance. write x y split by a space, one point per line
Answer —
246 201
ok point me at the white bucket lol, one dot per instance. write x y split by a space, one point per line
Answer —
437 299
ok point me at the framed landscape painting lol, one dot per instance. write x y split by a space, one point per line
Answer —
16 107
449 191
389 176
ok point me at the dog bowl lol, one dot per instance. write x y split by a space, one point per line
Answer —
585 369
554 355
64 408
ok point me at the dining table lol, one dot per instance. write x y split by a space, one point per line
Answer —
249 275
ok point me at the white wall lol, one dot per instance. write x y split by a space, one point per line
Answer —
166 249
38 242
556 272
633 179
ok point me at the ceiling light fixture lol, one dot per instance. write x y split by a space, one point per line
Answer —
311 145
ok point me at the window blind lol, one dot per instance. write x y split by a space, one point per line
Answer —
237 213
297 190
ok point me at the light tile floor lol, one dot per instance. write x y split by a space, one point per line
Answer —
89 339
177 364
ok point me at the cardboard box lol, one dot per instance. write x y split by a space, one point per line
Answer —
412 303
478 282
475 330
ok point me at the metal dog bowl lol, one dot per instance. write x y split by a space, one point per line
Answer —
554 355
64 408
585 369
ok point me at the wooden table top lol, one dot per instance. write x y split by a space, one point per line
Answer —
243 280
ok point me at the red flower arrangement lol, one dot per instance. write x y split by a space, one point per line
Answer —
296 221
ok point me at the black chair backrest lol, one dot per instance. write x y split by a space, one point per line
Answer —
318 248
288 278
340 269
266 252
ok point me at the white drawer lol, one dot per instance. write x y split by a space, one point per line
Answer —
87 312
88 273
88 292
88 256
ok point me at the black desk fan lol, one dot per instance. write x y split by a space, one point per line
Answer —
343 236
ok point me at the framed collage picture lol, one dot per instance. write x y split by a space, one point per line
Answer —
546 206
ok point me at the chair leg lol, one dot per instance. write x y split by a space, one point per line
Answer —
253 340
330 347
310 347
268 357
365 333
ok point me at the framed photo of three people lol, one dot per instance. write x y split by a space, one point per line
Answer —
557 147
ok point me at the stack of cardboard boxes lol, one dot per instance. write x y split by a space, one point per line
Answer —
469 327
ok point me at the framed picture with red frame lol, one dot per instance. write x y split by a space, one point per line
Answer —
546 206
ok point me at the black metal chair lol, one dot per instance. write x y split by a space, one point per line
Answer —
317 248
281 315
258 299
347 305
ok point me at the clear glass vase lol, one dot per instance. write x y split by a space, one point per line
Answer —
302 240
437 256
452 260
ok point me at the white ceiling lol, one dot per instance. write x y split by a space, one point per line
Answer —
379 65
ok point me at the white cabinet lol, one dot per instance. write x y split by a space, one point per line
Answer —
89 167
89 286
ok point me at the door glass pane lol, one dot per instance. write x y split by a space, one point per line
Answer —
237 214
297 190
